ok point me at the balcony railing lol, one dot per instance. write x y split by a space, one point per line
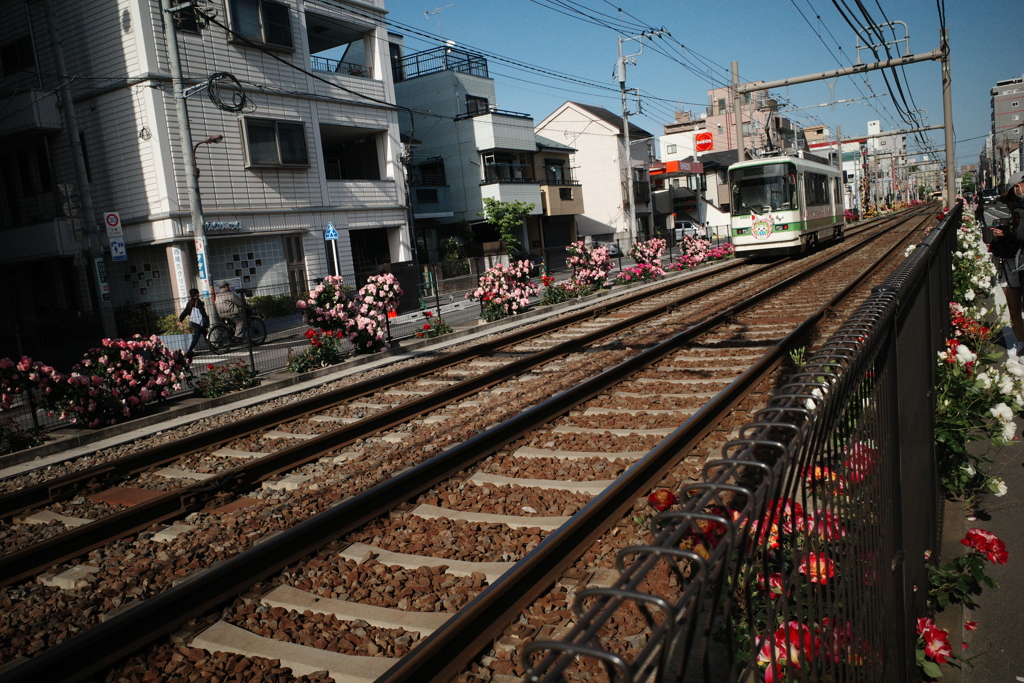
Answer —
440 59
435 180
483 111
333 66
559 181
508 173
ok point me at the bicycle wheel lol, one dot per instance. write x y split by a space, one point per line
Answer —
219 338
257 331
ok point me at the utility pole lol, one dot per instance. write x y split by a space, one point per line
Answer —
947 119
737 111
185 133
620 70
89 227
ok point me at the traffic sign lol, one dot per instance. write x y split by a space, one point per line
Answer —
112 219
331 233
118 252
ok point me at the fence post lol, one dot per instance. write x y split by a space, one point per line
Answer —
248 336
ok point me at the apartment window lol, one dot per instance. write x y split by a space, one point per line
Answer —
476 105
565 194
275 143
670 149
187 20
721 106
554 169
427 196
262 20
17 55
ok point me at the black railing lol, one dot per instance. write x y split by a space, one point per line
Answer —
440 59
800 554
333 66
483 111
429 180
508 173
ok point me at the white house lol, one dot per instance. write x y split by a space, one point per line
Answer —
602 167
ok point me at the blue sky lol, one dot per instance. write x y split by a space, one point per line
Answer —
770 40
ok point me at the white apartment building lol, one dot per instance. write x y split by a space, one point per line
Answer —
467 149
602 167
303 151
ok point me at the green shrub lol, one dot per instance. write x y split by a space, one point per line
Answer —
223 379
274 305
168 324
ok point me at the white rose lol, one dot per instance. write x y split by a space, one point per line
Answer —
1002 411
1014 366
964 355
1006 385
969 468
997 485
969 295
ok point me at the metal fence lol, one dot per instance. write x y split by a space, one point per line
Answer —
799 554
60 338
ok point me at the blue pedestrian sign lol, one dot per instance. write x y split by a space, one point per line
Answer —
118 252
331 233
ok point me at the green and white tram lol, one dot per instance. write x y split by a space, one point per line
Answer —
784 205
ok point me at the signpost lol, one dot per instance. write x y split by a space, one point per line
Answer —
101 278
115 233
331 235
705 142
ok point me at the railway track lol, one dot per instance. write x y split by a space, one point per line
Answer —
623 428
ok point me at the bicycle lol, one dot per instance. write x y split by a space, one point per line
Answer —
221 334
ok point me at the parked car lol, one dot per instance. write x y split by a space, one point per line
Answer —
612 247
535 261
990 194
684 228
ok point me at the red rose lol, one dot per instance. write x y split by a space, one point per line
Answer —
662 499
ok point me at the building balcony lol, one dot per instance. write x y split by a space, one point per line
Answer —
440 59
494 129
30 110
368 193
561 198
508 173
431 201
528 193
57 237
333 66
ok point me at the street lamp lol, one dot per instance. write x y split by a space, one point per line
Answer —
212 140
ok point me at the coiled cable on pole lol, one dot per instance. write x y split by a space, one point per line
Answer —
226 92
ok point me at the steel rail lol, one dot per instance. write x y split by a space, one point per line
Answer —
79 657
104 474
589 624
443 654
33 559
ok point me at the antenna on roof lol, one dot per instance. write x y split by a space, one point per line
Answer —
437 13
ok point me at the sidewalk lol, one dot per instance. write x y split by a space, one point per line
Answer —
996 648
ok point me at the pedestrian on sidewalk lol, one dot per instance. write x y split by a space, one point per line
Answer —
1009 240
195 312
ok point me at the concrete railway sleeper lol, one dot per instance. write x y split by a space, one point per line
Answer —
121 634
157 508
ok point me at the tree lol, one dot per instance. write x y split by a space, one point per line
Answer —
967 182
506 217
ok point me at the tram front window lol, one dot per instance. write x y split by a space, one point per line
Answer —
761 189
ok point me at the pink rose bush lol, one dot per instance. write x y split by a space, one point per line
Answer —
696 250
590 266
25 377
641 272
116 380
649 252
360 318
504 290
